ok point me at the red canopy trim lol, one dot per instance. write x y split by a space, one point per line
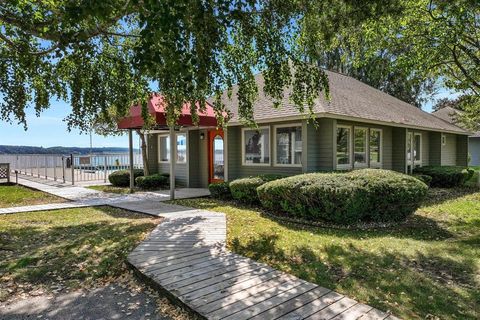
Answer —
156 107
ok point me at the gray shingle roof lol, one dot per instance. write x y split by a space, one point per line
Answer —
349 98
450 114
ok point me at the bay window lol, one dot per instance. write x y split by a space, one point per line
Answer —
360 146
256 146
375 145
288 145
343 147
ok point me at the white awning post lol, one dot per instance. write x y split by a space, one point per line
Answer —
173 157
130 155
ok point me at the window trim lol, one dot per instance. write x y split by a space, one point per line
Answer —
421 148
290 125
375 164
243 148
350 136
367 148
176 151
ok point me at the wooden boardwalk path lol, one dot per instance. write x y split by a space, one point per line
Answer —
186 256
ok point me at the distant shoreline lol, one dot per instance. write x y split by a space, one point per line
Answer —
8 149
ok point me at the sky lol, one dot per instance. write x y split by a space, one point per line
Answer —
49 130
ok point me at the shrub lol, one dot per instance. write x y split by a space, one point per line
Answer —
446 176
424 178
245 189
345 198
121 178
220 190
153 181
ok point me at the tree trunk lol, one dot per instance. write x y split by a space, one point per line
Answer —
143 146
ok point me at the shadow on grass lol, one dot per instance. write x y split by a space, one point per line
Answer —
412 287
37 253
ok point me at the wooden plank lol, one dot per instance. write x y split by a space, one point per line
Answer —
226 279
219 284
199 274
312 307
268 304
354 312
228 299
334 309
185 265
252 300
188 275
293 304
374 314
238 287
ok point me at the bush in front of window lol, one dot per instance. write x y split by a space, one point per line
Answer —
368 195
446 176
245 189
220 190
154 181
121 178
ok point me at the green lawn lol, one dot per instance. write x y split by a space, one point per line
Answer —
428 267
66 248
15 195
110 189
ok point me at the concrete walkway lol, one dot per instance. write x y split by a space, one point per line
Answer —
186 256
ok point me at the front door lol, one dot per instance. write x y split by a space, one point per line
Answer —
215 156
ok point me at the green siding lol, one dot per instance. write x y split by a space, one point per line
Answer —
435 148
319 145
462 150
399 141
152 151
198 159
449 150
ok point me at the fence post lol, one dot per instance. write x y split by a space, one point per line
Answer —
38 166
63 168
73 169
54 168
46 170
105 170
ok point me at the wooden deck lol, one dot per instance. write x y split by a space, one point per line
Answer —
186 256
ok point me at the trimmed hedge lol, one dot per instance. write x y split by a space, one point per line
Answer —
245 189
153 181
368 195
424 178
446 176
220 190
121 178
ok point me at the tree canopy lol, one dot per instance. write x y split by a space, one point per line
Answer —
99 55
438 39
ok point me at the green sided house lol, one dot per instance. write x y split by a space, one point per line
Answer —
360 127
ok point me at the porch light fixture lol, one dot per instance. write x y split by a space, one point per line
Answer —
202 135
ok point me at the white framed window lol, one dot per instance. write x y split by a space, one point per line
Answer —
343 150
375 148
444 139
288 145
414 148
164 148
256 146
360 143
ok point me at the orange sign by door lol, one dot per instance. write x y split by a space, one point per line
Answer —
216 161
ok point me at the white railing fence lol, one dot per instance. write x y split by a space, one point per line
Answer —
70 168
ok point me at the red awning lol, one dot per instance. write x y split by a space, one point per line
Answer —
156 107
